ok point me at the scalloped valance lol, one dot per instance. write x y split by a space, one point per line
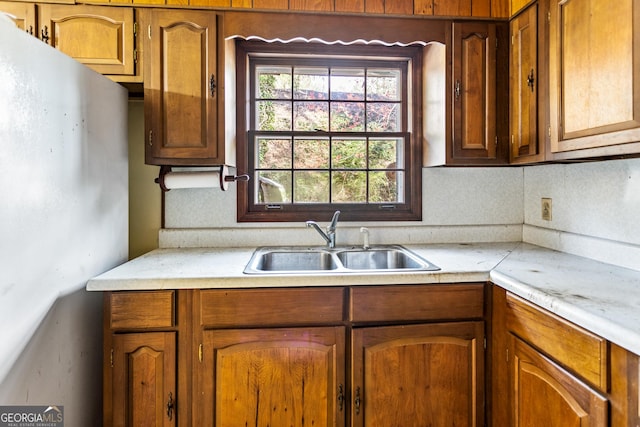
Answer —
345 29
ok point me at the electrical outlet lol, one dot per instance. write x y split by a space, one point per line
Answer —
546 208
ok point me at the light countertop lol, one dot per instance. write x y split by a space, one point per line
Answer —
600 297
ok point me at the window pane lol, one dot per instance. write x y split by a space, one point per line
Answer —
311 187
273 82
273 115
385 153
384 85
311 83
311 153
347 84
347 116
273 153
311 116
349 153
383 187
349 187
383 117
273 187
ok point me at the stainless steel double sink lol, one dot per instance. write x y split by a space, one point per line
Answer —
346 259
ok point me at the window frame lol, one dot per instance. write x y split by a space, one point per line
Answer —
409 210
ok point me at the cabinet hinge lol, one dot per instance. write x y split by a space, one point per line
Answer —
496 140
149 31
549 131
507 355
200 351
135 56
111 358
485 343
151 137
135 29
548 16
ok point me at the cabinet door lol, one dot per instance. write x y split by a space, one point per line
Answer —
474 91
23 14
273 377
180 90
142 380
544 394
523 87
100 37
418 375
595 80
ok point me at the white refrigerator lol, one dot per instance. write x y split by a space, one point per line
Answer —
63 220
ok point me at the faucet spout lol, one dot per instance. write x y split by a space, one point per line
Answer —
330 235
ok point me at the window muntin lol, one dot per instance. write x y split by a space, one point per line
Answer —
331 132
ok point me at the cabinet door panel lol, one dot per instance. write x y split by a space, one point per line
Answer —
543 394
595 86
524 84
22 14
275 377
418 375
181 84
144 379
474 91
99 37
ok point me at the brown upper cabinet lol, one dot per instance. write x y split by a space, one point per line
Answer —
22 14
527 114
594 78
184 88
476 105
100 37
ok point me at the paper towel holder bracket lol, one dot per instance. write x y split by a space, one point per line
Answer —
225 177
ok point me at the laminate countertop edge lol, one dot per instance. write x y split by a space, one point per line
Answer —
602 298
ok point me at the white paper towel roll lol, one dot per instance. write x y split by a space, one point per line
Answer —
198 179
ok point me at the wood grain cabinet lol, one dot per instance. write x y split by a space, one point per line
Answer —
140 353
527 59
101 37
476 96
594 78
548 371
184 88
22 14
326 356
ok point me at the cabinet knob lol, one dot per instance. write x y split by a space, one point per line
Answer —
212 85
340 397
357 401
170 406
531 80
44 33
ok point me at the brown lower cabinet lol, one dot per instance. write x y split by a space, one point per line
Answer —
325 356
546 371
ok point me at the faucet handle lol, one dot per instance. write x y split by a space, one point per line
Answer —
365 237
334 221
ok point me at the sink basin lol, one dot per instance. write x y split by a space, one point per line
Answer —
379 259
294 260
347 259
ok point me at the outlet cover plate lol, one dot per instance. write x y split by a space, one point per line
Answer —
546 208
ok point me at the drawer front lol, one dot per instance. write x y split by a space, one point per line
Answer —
139 310
270 307
573 347
417 302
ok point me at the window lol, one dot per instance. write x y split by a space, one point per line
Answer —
328 127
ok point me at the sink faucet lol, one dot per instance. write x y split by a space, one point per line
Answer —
330 235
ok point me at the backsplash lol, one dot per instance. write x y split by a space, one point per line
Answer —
595 208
